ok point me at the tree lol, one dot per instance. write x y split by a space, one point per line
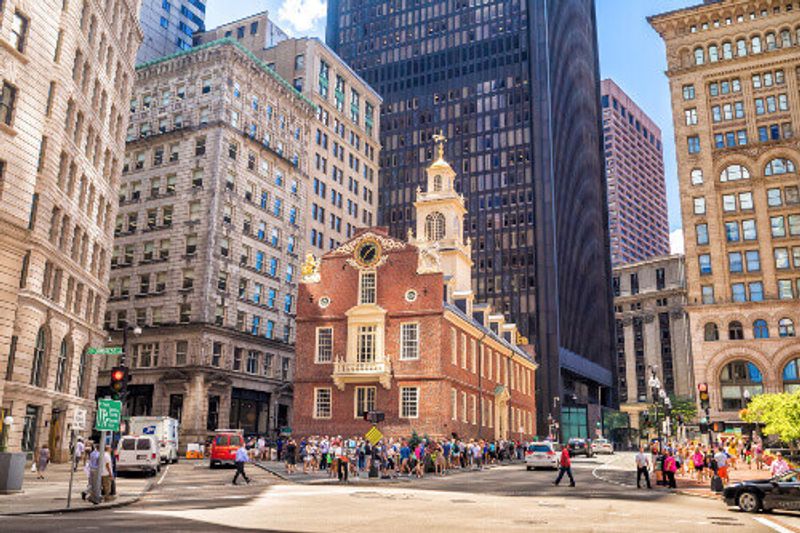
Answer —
686 407
780 414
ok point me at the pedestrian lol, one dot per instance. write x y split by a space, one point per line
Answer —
779 466
291 456
342 465
78 453
642 468
108 476
565 467
670 467
94 492
239 461
42 460
721 458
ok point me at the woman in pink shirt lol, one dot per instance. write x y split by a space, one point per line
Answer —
670 467
699 461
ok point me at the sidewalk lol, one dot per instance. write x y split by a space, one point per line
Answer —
693 487
320 477
50 495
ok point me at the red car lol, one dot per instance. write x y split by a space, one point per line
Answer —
224 446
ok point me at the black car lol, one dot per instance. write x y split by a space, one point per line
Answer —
780 492
579 447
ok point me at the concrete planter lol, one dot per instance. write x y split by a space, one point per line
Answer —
12 471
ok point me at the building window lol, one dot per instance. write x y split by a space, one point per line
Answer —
367 288
324 345
181 351
61 367
710 332
760 329
434 226
735 331
39 352
364 400
8 99
82 367
707 294
19 31
736 378
409 341
779 166
365 351
322 403
409 402
786 328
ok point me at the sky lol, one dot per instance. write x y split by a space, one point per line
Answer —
631 53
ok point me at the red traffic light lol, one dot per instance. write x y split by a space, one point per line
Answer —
702 387
117 375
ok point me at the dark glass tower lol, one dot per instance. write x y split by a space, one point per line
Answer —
514 85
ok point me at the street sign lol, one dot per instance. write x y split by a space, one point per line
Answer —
374 435
109 350
79 419
286 430
109 414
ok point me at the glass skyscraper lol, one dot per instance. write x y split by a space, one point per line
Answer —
169 26
513 85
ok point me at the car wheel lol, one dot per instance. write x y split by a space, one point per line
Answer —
749 502
212 465
529 468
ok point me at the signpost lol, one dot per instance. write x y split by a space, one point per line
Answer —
78 424
374 435
108 418
109 350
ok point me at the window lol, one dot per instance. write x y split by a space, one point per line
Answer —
702 233
19 31
760 329
434 226
738 293
753 261
749 230
779 166
735 331
322 403
8 100
704 261
39 353
61 366
365 347
688 92
181 352
409 402
367 288
734 173
781 258
324 345
697 176
700 205
707 294
735 262
736 378
693 144
691 116
711 332
364 400
786 327
409 341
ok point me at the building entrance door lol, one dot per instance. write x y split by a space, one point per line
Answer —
501 397
54 439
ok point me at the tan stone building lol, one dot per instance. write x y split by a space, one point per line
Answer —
66 70
652 332
344 145
209 240
734 74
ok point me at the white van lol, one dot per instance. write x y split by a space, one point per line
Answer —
138 453
163 429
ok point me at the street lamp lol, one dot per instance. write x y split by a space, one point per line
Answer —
7 423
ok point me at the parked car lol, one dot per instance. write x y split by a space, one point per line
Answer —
780 492
164 429
224 446
542 455
579 447
602 446
138 453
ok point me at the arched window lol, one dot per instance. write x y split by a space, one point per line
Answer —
786 38
734 173
772 43
760 329
434 226
39 351
741 47
711 332
61 367
699 56
786 327
727 50
437 183
82 364
779 166
735 331
697 176
755 44
791 376
713 53
736 378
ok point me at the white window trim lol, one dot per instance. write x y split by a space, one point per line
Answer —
401 402
454 403
355 398
403 344
330 395
316 346
361 286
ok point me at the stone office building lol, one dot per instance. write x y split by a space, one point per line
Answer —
66 73
734 75
209 236
392 326
652 332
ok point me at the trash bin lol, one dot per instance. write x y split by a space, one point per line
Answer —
12 471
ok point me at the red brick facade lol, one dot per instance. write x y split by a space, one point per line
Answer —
330 299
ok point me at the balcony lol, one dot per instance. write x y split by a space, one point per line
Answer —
345 372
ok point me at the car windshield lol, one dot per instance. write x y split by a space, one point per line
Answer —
221 440
539 448
128 444
236 440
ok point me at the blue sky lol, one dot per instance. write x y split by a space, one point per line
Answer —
630 52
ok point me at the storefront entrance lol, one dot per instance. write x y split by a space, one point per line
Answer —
246 408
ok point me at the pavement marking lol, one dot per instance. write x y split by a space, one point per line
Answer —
164 475
772 525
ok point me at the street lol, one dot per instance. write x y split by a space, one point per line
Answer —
191 497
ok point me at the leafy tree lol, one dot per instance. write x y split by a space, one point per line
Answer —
780 414
414 440
684 406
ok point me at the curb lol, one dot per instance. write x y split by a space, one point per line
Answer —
274 473
99 507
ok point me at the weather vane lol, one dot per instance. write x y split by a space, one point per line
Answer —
440 139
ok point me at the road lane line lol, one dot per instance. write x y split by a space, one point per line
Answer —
160 481
772 525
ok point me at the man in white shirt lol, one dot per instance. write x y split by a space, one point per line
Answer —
721 459
779 466
80 449
642 468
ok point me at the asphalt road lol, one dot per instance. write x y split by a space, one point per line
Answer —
191 497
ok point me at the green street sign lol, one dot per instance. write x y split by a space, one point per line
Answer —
110 350
109 414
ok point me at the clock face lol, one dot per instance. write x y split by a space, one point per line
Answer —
368 253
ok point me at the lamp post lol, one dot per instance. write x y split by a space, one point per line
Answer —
655 385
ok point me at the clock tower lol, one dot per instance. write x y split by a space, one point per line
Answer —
440 229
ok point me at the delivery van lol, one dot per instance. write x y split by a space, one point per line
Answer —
138 453
165 432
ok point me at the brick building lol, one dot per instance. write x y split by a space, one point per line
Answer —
393 326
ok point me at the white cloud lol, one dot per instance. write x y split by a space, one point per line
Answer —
676 241
302 15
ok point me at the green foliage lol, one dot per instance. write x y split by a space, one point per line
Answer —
780 413
685 407
414 440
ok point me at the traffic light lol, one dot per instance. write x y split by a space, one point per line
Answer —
702 390
119 381
718 427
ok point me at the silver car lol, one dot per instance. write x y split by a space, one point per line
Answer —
602 446
542 455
